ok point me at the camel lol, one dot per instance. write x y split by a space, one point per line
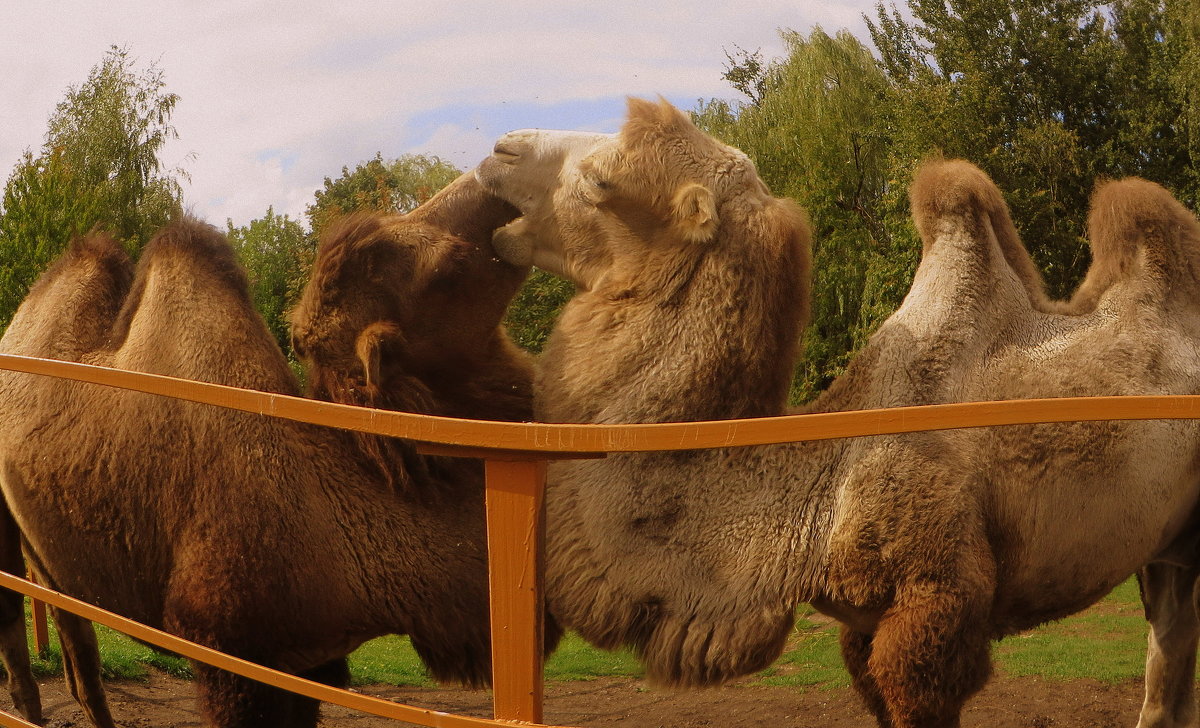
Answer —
280 542
691 280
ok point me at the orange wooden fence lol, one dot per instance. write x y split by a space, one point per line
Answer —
515 455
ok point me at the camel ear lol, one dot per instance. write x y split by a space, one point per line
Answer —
695 212
377 341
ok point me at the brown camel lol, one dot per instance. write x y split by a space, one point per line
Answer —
280 542
924 546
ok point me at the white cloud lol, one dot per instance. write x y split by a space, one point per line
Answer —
274 96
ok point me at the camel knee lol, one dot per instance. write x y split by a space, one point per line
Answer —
926 665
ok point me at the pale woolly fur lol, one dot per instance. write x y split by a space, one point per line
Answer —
925 546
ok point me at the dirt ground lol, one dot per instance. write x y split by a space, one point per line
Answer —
1007 702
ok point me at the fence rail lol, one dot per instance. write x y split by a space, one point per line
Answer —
515 455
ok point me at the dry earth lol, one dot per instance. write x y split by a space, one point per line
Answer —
1007 702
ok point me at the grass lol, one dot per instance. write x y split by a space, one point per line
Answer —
1106 643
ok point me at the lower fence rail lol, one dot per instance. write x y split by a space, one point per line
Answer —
325 693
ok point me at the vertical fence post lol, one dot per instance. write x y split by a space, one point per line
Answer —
41 634
515 531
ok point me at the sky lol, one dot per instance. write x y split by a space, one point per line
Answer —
276 96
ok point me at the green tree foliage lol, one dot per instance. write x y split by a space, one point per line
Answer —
41 211
817 128
277 253
99 165
397 185
532 312
1047 96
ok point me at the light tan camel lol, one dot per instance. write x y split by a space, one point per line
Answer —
924 546
283 543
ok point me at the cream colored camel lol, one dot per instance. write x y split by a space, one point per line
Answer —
926 546
283 543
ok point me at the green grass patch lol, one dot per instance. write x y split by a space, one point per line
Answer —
575 659
812 655
1107 643
389 660
121 658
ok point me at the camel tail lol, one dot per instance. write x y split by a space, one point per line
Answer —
1139 232
943 190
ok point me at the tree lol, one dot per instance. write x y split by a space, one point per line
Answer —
42 210
99 165
533 310
397 185
817 128
277 254
1047 96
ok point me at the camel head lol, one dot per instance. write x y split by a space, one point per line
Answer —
668 225
397 299
589 201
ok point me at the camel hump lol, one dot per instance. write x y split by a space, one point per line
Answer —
100 246
956 192
199 246
69 309
946 187
97 251
197 261
1138 230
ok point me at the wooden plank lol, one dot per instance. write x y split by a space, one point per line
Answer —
274 678
515 530
41 631
8 720
557 440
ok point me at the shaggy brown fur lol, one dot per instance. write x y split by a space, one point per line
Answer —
388 291
276 541
925 546
692 316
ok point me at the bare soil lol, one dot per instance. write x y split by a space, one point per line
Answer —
1007 702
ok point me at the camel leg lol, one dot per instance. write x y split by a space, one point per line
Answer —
927 657
81 666
14 651
14 645
232 701
1170 596
856 653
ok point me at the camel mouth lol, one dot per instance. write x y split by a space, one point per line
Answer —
505 156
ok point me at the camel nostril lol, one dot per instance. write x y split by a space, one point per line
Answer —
510 147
